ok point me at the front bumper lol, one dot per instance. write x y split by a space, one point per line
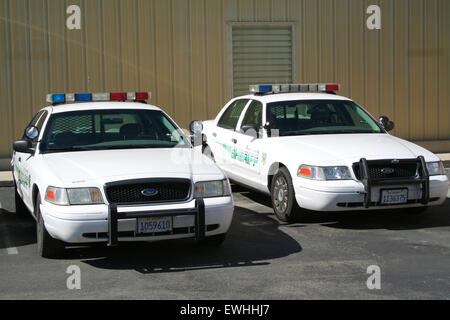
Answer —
198 212
113 224
351 195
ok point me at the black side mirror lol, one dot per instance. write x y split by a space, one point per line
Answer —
23 146
388 125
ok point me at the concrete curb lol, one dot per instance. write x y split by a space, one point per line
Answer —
6 179
6 184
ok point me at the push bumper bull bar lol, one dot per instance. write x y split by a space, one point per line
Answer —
422 178
114 216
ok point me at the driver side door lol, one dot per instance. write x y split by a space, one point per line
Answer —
248 137
22 161
222 140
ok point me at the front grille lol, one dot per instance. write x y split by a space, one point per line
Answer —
167 190
405 170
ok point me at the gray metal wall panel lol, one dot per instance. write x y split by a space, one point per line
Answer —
181 52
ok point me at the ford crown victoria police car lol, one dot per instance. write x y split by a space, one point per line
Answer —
319 151
106 171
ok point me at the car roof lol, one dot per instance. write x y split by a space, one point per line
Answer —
275 97
110 105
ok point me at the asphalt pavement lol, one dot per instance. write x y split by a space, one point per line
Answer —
323 256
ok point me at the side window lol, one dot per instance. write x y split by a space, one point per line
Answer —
231 116
253 116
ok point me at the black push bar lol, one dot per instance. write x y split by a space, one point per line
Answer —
422 178
114 216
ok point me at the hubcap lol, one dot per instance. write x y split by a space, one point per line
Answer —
281 194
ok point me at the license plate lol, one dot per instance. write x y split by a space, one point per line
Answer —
154 224
397 196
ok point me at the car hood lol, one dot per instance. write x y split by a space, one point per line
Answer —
335 149
83 168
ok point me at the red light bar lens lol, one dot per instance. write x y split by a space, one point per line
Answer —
142 96
118 96
332 87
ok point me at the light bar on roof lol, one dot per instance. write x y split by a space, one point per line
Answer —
294 87
260 88
83 96
103 96
59 98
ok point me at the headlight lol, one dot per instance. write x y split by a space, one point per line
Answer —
435 168
76 196
324 173
209 189
85 196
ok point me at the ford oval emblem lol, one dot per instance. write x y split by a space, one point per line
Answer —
149 192
387 170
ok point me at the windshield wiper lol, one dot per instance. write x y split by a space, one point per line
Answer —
344 131
71 148
135 147
293 133
116 147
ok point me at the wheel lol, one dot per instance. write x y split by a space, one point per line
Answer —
283 196
215 240
207 152
21 208
47 246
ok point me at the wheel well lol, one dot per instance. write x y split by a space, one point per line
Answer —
34 194
272 170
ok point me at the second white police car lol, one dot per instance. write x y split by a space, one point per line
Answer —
312 149
94 168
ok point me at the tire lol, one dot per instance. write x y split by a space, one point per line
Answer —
206 150
47 246
282 193
213 241
21 208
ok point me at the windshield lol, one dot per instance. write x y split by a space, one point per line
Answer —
301 117
110 129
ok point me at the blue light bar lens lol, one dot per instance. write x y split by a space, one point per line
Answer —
83 97
265 88
58 98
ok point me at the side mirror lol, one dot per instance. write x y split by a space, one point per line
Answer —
388 125
23 146
31 132
196 127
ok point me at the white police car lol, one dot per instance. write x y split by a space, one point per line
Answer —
319 151
94 168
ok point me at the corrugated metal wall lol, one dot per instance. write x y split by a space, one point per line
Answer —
180 51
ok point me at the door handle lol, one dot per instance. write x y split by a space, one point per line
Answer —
214 134
234 140
20 159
